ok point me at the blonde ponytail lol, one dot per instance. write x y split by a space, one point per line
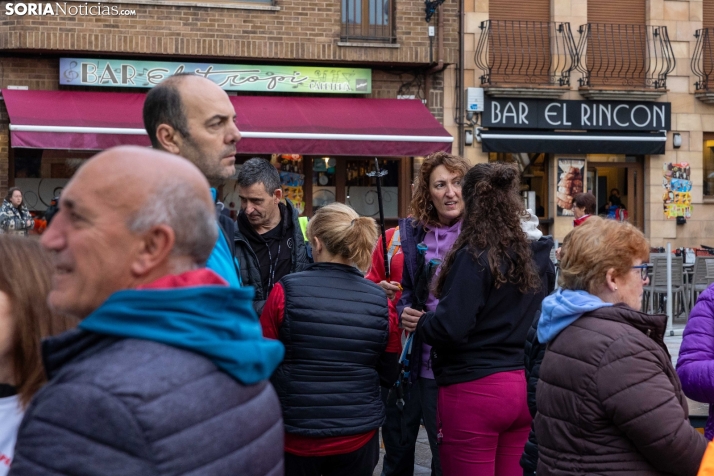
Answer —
344 233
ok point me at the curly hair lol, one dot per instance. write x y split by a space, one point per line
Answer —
492 225
421 198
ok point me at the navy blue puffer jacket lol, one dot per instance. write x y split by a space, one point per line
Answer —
117 406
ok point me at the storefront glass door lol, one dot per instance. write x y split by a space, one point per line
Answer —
619 185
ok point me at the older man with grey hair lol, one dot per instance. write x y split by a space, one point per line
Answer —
167 372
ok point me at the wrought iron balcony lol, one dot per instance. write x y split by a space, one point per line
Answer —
703 58
530 53
624 56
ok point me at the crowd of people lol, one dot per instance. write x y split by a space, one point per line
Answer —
178 341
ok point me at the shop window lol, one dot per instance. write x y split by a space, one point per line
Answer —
312 182
534 178
345 179
42 174
361 190
368 20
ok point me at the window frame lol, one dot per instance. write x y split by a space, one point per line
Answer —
363 30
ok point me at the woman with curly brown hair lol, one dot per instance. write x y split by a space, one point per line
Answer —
489 288
426 236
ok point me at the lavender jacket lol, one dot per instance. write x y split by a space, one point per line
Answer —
695 366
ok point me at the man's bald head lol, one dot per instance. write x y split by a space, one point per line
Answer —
129 216
154 188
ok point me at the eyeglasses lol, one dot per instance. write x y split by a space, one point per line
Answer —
643 270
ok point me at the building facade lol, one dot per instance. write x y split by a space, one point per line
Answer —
614 64
390 39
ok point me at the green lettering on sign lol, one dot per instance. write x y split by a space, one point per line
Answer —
231 77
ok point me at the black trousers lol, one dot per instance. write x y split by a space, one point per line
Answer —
357 463
401 429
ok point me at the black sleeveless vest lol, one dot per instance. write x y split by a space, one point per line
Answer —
335 329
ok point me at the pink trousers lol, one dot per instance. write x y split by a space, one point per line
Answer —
483 425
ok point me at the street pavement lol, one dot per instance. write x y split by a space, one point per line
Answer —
423 452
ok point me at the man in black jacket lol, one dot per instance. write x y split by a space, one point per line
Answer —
269 242
191 116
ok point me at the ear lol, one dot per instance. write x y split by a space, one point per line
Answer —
278 194
610 280
169 138
154 251
316 246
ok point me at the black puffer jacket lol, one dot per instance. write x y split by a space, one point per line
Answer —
335 331
133 407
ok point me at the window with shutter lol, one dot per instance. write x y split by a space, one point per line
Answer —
520 41
617 43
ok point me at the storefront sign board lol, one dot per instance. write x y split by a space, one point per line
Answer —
231 77
514 113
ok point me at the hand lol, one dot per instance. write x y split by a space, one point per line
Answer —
557 253
391 288
30 223
410 318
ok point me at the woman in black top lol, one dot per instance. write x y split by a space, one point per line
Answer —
490 286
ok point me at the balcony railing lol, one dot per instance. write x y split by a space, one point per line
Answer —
526 52
703 58
629 56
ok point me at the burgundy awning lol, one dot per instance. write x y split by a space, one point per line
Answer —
270 124
74 120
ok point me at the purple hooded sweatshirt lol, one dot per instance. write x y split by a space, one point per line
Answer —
695 365
439 241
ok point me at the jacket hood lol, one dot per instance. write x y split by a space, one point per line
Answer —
444 237
562 308
529 224
217 322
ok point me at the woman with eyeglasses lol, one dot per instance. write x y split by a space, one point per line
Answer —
609 400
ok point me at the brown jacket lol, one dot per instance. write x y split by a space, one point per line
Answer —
609 400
